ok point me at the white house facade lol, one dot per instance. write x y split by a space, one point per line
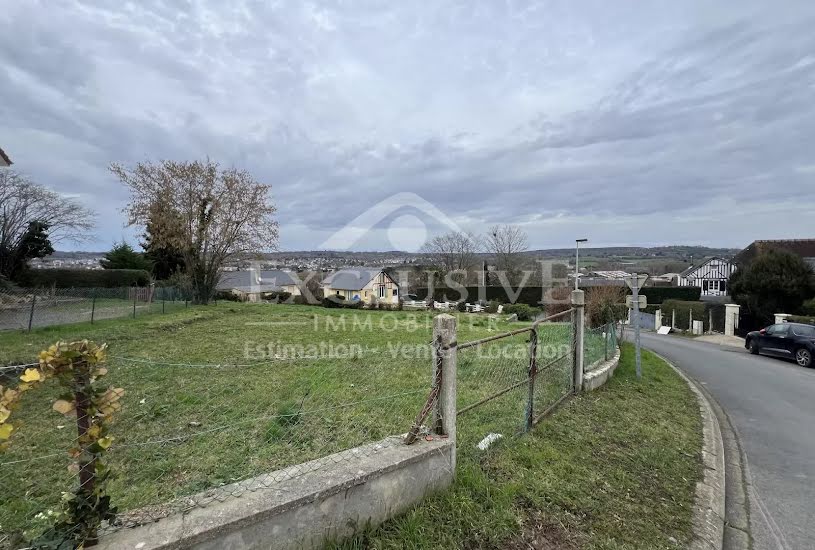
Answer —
366 284
712 276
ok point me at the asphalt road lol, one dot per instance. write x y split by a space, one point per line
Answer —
771 404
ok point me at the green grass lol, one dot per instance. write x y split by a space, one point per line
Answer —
612 469
185 428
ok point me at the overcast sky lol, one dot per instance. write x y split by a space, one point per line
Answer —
627 122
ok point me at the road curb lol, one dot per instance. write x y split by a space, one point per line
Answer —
709 503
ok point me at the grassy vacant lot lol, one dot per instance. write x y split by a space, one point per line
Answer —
220 393
613 469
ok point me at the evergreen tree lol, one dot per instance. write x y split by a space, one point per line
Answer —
122 256
777 281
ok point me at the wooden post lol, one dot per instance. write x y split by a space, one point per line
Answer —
533 371
93 305
578 303
135 293
31 314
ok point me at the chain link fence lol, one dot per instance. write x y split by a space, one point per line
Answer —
507 383
191 434
599 345
24 309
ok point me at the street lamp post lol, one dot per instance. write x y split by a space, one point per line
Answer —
577 259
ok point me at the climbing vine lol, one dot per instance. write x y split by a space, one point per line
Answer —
78 367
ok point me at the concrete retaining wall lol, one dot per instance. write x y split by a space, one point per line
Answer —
340 494
598 376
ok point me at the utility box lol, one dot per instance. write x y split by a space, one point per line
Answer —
698 328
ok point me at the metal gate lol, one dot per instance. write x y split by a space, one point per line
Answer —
645 320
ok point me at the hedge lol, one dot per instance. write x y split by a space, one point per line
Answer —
533 295
805 319
701 312
658 294
529 295
96 278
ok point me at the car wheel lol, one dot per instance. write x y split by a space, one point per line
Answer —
753 347
803 357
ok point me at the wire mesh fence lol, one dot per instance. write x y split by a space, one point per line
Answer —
507 383
24 309
599 344
191 434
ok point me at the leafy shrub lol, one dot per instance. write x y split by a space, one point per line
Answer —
278 297
809 307
684 309
340 302
523 311
806 319
492 307
300 300
96 278
659 294
227 296
605 304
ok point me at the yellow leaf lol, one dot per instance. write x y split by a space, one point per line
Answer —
93 431
5 431
4 414
31 375
63 407
105 442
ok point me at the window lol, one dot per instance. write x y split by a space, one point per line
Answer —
382 291
778 330
804 330
396 292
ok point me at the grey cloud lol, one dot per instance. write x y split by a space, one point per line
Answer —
516 112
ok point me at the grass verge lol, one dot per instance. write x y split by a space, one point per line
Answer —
612 469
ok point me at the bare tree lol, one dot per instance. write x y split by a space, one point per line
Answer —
23 203
210 215
455 250
507 244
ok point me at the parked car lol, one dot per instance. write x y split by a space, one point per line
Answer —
791 340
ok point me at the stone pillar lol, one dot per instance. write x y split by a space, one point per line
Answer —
782 318
578 304
658 319
673 319
731 319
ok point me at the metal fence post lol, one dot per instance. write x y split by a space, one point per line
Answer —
578 303
533 371
444 334
31 314
606 334
93 305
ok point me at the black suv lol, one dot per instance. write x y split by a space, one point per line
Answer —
790 340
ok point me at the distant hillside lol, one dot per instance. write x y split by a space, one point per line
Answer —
678 251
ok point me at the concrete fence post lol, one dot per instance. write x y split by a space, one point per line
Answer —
578 305
673 319
444 336
658 319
